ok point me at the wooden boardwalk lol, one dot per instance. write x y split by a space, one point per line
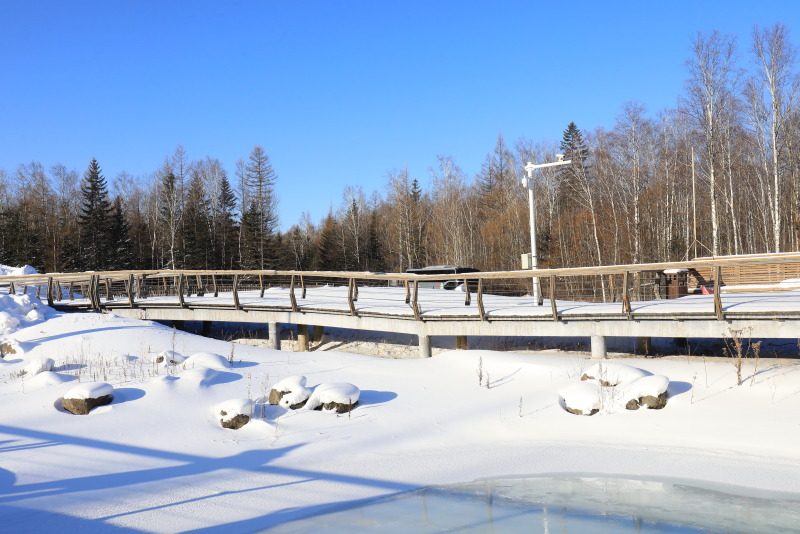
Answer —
597 302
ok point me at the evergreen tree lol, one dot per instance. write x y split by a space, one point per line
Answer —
95 211
122 246
250 235
574 148
329 251
226 226
375 258
196 235
263 218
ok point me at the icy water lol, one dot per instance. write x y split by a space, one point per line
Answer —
565 505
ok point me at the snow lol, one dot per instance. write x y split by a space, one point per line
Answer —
290 383
584 396
91 390
206 360
17 311
7 270
338 392
614 374
156 458
652 386
38 365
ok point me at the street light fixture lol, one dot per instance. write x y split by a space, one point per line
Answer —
528 182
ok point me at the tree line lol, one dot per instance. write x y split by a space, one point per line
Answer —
718 174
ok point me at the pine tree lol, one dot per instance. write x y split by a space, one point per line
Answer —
226 226
574 148
260 179
122 246
196 235
329 252
95 243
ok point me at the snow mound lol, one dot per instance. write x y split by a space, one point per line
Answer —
291 392
207 360
38 365
19 311
613 374
581 399
90 390
7 270
333 395
170 357
203 377
46 379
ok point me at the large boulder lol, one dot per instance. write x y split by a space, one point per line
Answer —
649 391
291 392
613 374
340 397
234 413
581 399
82 399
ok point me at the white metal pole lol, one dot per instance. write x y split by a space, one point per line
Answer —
532 214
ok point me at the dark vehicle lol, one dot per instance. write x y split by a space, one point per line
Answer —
446 269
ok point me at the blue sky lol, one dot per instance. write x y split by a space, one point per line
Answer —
338 93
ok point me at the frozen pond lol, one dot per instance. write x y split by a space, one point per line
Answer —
566 504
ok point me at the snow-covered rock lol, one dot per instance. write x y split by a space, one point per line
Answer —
581 399
234 413
334 396
81 399
613 374
170 357
291 392
208 360
648 391
38 365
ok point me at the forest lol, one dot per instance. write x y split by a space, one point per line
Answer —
717 174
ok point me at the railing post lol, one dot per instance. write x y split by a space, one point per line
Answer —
292 298
303 287
468 297
415 301
72 291
541 296
12 290
214 283
481 310
408 291
261 284
130 290
717 296
626 299
236 303
49 290
109 296
141 289
355 290
351 296
553 306
180 291
201 290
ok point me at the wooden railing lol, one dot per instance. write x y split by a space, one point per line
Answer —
614 283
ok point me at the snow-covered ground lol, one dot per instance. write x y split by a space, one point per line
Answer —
156 459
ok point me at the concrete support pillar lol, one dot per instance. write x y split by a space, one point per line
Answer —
598 347
274 337
302 338
461 342
424 345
